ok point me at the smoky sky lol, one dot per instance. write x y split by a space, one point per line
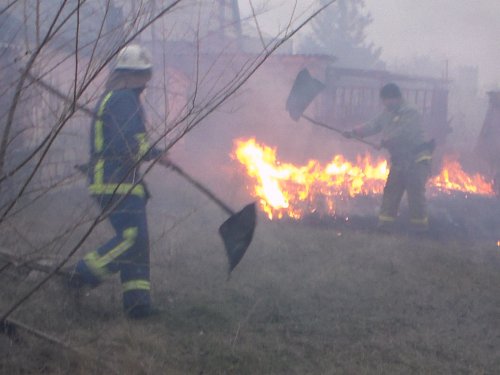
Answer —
463 32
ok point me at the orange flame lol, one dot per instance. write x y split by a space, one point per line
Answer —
453 178
284 189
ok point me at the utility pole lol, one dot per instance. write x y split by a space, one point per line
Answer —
229 18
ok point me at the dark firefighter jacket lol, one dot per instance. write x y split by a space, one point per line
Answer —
402 132
117 142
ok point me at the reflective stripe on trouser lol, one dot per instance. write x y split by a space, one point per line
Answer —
412 180
127 252
136 293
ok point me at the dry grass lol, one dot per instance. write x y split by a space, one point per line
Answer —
304 300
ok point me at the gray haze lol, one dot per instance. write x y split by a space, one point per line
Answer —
460 31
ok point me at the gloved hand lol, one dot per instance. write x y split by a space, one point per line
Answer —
152 154
164 160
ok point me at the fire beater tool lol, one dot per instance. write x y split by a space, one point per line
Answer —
236 232
304 90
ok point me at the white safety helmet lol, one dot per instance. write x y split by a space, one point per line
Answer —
134 57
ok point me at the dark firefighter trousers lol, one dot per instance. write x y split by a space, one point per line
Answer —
412 178
126 253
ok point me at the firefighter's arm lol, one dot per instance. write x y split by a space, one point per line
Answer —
144 150
366 130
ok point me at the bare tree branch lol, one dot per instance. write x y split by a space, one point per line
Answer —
188 121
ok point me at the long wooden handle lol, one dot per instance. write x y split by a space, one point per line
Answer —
171 165
197 185
323 125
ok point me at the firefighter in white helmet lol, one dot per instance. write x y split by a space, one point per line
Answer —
118 144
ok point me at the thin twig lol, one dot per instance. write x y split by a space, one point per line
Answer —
10 327
193 119
257 25
242 322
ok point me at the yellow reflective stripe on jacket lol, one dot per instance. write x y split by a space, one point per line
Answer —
99 125
121 189
99 187
136 285
97 263
99 172
143 145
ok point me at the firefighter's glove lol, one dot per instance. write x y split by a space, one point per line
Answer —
155 153
165 160
152 154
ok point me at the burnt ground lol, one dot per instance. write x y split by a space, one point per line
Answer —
453 217
320 296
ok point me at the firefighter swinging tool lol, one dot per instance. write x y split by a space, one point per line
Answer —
304 90
237 231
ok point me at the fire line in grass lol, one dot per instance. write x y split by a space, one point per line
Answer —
288 190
